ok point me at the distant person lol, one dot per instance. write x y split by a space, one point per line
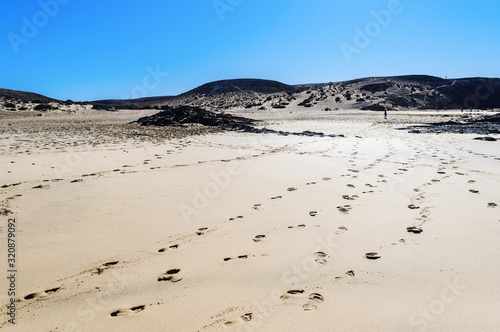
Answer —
461 109
385 112
471 109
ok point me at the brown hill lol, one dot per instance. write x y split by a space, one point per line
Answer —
24 96
373 93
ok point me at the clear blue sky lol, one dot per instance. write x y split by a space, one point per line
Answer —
89 50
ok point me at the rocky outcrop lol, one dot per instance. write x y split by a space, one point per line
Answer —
483 125
187 115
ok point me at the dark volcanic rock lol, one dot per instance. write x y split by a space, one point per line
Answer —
484 125
487 138
184 115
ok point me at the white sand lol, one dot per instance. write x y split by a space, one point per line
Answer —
444 279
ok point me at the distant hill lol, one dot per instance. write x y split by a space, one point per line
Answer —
372 93
24 96
222 94
241 85
414 91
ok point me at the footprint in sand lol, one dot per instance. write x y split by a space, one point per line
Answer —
239 257
259 238
201 231
123 312
41 187
414 229
313 213
471 181
351 186
314 300
344 209
350 198
291 293
243 319
104 267
256 206
238 217
348 274
310 183
320 257
76 181
276 197
474 191
5 212
492 205
372 255
292 189
401 241
175 246
413 207
171 275
41 294
327 179
298 226
341 230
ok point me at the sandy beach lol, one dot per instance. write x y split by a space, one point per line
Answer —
126 228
